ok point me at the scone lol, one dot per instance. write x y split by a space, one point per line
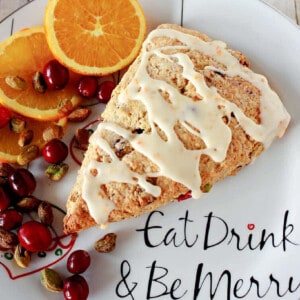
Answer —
187 113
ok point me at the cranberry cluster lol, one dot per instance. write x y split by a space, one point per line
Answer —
17 185
88 87
56 76
76 286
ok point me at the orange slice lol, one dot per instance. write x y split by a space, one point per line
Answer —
95 37
23 54
9 147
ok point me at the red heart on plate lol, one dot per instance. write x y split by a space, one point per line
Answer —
251 226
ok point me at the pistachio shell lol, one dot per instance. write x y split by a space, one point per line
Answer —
8 240
25 137
39 83
79 114
52 132
17 124
16 82
82 136
65 106
106 244
28 204
45 213
51 280
28 153
57 172
22 257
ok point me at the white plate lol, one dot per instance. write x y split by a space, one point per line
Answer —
260 204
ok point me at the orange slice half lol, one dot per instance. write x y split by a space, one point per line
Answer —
21 55
95 37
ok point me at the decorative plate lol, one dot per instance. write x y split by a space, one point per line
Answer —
241 240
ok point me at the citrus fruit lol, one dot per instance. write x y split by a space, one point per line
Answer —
95 37
21 56
9 147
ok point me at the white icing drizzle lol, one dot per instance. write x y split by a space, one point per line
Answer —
205 116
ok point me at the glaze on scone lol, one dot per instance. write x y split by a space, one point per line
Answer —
188 113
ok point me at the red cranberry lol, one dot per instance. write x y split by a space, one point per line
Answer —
87 86
35 236
78 261
10 219
55 75
55 151
105 90
4 116
4 199
22 182
76 288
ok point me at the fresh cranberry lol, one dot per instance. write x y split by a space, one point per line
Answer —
76 288
4 198
5 116
22 182
55 151
78 261
105 90
87 86
10 219
55 75
35 236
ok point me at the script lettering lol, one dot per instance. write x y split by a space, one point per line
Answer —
169 237
157 273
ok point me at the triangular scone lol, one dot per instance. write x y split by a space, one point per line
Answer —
187 113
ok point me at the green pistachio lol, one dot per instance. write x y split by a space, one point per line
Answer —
51 280
106 244
57 172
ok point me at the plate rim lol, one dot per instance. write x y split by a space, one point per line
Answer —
257 2
270 6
